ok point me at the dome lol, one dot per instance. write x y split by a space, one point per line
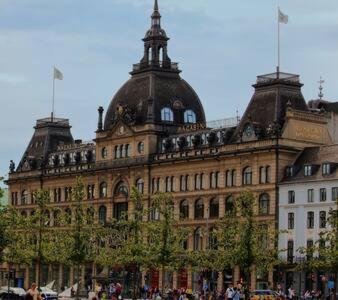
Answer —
146 95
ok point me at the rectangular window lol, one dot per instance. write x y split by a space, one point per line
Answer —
322 219
291 197
291 220
326 169
322 195
334 193
289 171
90 191
290 252
310 219
308 170
310 195
57 195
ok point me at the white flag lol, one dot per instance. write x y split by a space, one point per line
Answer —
58 74
282 18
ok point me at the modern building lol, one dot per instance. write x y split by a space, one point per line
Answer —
307 193
154 135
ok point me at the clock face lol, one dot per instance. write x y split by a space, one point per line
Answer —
248 130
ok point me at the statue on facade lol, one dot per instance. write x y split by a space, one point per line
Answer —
11 166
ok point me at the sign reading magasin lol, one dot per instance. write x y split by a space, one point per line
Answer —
192 127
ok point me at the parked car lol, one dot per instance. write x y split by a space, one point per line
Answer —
14 293
48 294
264 295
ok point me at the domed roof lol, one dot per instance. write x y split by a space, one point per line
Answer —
155 93
146 94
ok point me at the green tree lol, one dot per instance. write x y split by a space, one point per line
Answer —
244 240
165 237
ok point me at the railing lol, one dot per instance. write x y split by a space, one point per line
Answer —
278 75
58 121
160 64
223 123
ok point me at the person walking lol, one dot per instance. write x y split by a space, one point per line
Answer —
235 294
229 292
33 293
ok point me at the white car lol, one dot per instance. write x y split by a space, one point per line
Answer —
48 294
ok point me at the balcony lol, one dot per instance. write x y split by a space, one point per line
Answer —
278 76
161 64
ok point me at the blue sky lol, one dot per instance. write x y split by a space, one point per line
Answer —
221 46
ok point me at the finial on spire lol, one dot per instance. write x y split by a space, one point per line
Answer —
156 5
320 94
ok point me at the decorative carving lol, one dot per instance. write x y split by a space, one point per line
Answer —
11 166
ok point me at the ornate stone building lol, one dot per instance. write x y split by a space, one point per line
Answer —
154 135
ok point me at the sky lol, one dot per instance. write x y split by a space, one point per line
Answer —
221 46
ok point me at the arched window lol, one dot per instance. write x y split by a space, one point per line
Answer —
167 114
104 152
102 214
140 185
24 197
198 239
214 208
160 50
229 205
189 117
121 189
155 213
150 54
140 147
199 209
103 190
264 204
247 176
184 209
116 152
127 150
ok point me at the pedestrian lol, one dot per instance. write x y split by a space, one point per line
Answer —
33 293
229 291
235 294
291 293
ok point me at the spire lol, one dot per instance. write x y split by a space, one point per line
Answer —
156 17
320 94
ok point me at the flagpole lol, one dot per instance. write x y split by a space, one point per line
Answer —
52 115
278 66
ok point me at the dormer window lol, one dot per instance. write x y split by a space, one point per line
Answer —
326 169
308 170
289 171
189 117
167 114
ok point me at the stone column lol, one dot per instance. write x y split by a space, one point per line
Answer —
82 277
191 208
220 282
160 275
50 273
143 282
